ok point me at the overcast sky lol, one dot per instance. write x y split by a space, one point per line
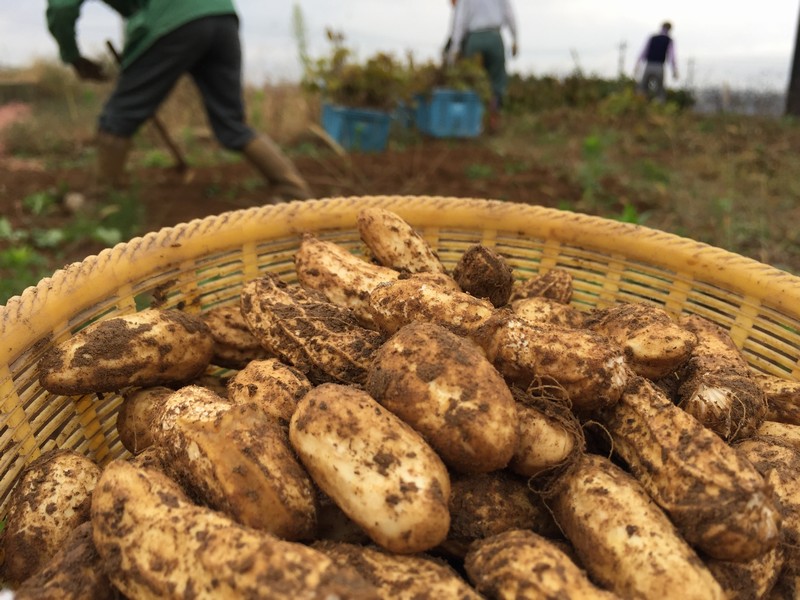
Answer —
742 44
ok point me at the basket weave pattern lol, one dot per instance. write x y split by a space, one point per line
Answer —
198 265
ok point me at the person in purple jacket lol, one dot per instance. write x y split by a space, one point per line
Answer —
659 49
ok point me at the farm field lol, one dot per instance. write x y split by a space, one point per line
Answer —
727 180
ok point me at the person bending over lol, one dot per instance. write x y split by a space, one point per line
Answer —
165 39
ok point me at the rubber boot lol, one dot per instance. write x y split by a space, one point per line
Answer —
112 154
494 116
283 177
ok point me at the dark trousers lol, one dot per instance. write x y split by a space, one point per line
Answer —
209 50
489 44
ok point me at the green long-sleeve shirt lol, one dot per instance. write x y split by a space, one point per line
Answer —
146 21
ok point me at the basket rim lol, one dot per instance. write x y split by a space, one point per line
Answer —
53 299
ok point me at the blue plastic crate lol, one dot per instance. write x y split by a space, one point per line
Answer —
357 128
450 113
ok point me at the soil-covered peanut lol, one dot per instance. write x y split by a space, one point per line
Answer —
400 576
51 498
324 341
212 382
750 579
148 348
73 573
779 463
485 504
419 298
234 343
720 503
274 386
655 345
550 435
135 416
783 397
786 433
155 543
444 387
538 309
394 243
377 469
578 365
519 564
556 284
334 525
484 273
716 384
623 539
236 459
342 277
787 586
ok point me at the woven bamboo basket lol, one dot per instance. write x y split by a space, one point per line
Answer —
204 263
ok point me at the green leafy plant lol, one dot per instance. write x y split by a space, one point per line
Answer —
378 82
630 214
40 203
479 171
30 252
382 80
156 158
467 74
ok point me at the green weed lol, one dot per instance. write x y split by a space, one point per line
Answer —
630 214
652 172
30 252
40 203
156 158
479 171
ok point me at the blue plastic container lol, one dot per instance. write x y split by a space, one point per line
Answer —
447 113
362 129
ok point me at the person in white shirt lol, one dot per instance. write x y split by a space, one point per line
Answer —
477 29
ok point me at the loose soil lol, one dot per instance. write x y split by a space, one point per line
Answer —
433 167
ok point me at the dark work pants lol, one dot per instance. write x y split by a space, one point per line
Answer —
209 50
489 44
